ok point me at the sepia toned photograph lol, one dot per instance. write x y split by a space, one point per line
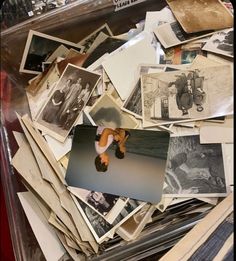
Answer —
186 94
106 112
99 227
125 162
221 43
67 101
194 169
172 34
133 104
89 40
39 47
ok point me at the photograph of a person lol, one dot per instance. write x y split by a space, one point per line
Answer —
194 168
38 48
67 101
124 162
221 43
186 94
99 226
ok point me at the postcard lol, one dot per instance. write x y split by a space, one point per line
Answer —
107 205
201 15
194 169
99 39
134 168
98 225
38 48
106 112
44 233
164 98
66 102
171 34
121 67
221 43
89 40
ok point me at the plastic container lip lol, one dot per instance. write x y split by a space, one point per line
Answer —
67 12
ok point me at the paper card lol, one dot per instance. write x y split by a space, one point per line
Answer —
59 149
194 169
61 51
221 43
222 134
131 229
65 104
122 66
201 15
122 176
38 48
89 40
156 18
204 231
107 205
186 95
44 233
106 112
171 34
100 38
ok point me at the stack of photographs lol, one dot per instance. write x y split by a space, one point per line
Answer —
119 144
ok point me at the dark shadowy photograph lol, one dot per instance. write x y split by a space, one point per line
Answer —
194 168
67 101
118 161
38 49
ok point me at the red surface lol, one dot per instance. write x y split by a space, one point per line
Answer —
6 251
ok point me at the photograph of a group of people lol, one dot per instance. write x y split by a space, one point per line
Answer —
68 99
119 161
194 168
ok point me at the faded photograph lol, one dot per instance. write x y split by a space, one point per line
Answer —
194 168
106 112
67 100
221 43
186 94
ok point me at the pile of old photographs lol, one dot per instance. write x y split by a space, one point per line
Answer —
130 139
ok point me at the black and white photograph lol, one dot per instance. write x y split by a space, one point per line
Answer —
99 227
172 34
67 101
184 95
107 205
89 40
126 162
39 47
133 104
221 43
195 169
106 112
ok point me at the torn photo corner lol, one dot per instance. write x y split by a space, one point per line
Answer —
135 168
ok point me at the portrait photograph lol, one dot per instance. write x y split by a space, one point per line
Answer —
125 162
195 169
221 43
184 95
39 47
65 104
